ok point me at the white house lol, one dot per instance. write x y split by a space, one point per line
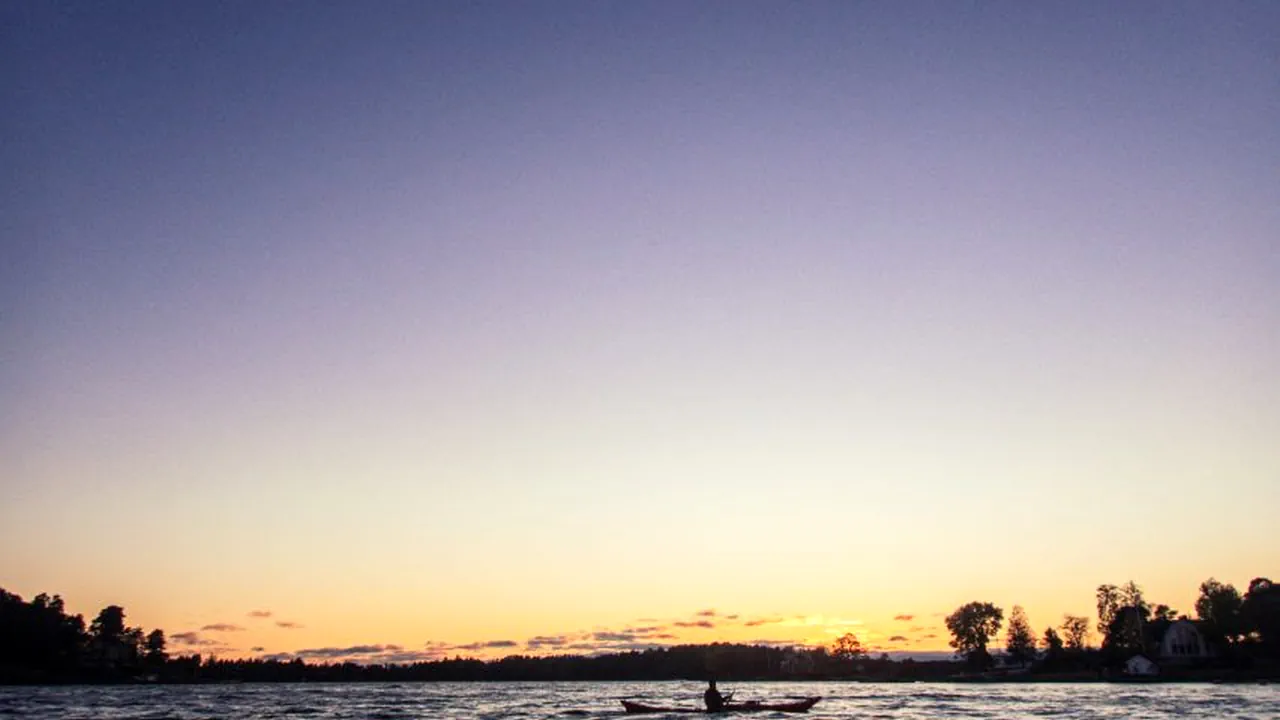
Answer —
1140 666
1182 641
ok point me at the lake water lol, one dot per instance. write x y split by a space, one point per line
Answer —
600 700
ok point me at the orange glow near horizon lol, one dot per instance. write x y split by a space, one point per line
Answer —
319 637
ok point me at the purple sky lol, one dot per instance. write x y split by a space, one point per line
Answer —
293 268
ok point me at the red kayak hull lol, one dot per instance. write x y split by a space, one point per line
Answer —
798 706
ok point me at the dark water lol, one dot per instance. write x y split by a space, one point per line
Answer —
598 700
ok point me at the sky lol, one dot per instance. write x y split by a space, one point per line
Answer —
415 329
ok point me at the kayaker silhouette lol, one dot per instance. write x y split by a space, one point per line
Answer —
712 697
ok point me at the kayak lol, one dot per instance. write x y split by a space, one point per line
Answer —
798 706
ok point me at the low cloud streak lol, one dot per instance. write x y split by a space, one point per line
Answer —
488 645
341 652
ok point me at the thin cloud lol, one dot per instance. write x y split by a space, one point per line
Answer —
433 650
646 630
596 648
629 637
756 622
546 641
257 649
490 645
287 625
222 627
193 639
898 638
337 652
259 613
612 637
904 617
405 656
605 640
773 643
650 635
365 654
710 612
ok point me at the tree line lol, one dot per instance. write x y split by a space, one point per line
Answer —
41 643
1240 629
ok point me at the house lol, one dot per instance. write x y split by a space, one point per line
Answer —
1169 643
1180 642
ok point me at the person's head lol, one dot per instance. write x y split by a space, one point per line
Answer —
712 683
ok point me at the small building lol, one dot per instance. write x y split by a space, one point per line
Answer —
1140 666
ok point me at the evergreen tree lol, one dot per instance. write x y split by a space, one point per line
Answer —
155 654
1053 648
1020 641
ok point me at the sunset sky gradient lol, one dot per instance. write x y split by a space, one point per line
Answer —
446 327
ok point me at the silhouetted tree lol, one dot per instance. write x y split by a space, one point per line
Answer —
1121 612
972 626
1020 641
1109 602
38 641
115 648
135 642
1164 612
1051 642
155 654
1218 607
1131 596
1053 649
1125 636
848 648
109 625
1260 614
1075 630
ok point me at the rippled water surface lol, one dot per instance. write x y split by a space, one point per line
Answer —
598 700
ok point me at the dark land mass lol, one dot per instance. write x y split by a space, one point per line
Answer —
41 644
